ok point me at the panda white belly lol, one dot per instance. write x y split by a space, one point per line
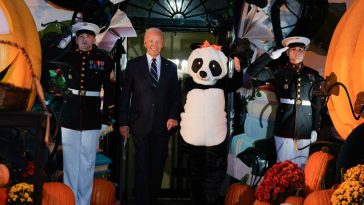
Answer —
203 122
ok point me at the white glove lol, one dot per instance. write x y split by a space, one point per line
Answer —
64 42
277 53
313 136
116 1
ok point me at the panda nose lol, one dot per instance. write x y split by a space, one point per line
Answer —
203 74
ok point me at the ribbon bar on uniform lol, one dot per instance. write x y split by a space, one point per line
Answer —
85 93
295 101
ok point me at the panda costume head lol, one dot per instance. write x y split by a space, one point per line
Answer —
207 64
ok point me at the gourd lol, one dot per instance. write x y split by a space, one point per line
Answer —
20 55
345 60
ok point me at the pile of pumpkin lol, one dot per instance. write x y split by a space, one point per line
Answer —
314 186
56 193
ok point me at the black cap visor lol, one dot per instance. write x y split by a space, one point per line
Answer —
298 44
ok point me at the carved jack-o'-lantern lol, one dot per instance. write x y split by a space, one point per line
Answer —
20 56
345 59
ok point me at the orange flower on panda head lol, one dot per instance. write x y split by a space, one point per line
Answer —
207 44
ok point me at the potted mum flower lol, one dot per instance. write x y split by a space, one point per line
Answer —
20 194
355 174
351 190
281 180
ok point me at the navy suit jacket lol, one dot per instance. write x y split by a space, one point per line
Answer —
143 107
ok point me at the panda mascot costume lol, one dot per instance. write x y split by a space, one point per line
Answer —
203 122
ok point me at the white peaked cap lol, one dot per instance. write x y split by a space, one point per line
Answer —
296 40
85 26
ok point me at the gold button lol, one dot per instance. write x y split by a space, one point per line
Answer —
299 90
82 75
298 95
299 79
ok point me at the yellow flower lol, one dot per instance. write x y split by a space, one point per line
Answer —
355 173
21 194
349 192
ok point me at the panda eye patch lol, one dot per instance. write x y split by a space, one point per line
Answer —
215 68
197 64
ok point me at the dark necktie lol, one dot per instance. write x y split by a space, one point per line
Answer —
154 72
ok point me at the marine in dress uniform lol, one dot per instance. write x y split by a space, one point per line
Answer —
81 114
298 113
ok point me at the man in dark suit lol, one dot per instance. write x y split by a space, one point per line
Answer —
150 106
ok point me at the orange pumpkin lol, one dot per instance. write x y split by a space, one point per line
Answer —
56 193
321 197
20 53
344 59
103 192
295 200
238 193
315 170
4 175
3 195
257 202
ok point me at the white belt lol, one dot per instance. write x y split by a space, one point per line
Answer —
295 101
85 93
